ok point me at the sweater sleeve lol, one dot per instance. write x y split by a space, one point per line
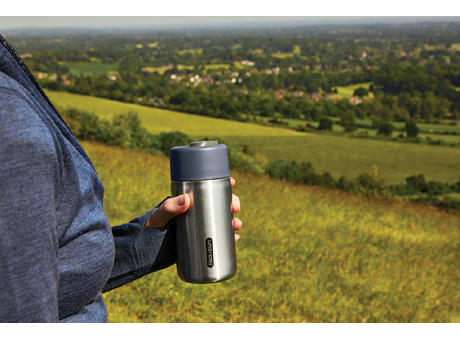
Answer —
140 251
28 238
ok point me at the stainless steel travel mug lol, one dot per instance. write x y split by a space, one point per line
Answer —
204 234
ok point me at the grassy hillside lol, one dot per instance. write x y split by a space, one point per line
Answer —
306 254
338 155
158 120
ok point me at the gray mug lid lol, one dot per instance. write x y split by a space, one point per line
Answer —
201 160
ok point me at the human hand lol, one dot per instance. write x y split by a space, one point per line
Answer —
178 205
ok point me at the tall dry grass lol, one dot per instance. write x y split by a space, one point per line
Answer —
306 254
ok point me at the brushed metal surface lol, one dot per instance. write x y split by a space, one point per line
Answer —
204 143
209 216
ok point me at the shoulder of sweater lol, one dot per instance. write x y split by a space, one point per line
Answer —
22 130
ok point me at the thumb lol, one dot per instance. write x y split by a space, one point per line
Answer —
168 210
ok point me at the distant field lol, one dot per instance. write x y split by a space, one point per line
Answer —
438 128
185 67
432 131
351 156
281 55
305 255
216 66
238 65
338 155
158 120
257 51
445 138
91 68
153 69
424 128
162 69
347 91
292 122
195 51
448 139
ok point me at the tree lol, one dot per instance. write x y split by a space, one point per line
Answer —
181 98
284 170
399 114
360 92
412 102
370 185
411 129
325 124
130 67
384 129
171 139
348 121
417 182
433 106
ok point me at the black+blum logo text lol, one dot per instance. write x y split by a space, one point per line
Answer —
209 253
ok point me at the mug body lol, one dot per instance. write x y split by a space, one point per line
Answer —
204 234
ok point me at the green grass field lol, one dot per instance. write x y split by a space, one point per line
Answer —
216 66
192 51
433 131
185 67
152 69
351 156
437 128
347 91
240 66
445 138
78 68
257 51
158 120
424 127
281 55
305 254
337 154
162 69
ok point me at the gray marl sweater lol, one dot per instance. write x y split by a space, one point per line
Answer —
58 252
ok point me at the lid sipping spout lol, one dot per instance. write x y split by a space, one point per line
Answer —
204 143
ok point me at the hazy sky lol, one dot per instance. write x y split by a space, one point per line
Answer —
100 22
14 22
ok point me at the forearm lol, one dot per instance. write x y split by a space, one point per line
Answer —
140 251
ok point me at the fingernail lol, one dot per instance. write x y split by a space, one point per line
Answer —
181 200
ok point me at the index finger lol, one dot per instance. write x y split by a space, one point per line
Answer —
232 181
